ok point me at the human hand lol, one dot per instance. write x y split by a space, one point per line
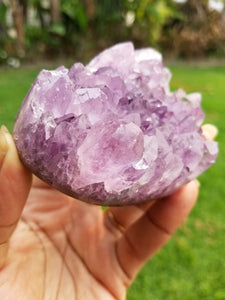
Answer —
59 248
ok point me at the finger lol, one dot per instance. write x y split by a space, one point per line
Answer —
122 217
15 182
146 236
209 131
38 183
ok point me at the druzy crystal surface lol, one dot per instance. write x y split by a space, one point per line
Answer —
112 132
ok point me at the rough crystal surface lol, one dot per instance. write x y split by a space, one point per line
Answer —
112 132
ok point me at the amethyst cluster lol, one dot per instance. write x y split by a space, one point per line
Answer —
112 132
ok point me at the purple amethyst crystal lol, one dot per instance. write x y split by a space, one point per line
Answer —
112 132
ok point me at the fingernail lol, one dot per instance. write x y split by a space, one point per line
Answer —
197 183
4 146
4 129
210 131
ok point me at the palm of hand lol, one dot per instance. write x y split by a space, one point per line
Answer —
62 249
66 249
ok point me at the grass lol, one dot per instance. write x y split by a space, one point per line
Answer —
192 265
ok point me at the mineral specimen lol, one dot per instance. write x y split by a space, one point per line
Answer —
112 132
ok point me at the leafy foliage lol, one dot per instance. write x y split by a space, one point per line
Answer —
189 29
152 15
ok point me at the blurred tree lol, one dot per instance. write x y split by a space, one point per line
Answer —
90 7
18 18
3 12
109 18
65 26
3 32
195 10
55 11
151 16
198 34
75 17
223 14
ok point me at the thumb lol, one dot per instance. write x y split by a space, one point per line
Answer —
15 183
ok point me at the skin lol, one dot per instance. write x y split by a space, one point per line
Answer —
56 247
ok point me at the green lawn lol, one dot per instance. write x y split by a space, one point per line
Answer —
192 265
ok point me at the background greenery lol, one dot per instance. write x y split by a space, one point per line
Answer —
53 28
192 265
